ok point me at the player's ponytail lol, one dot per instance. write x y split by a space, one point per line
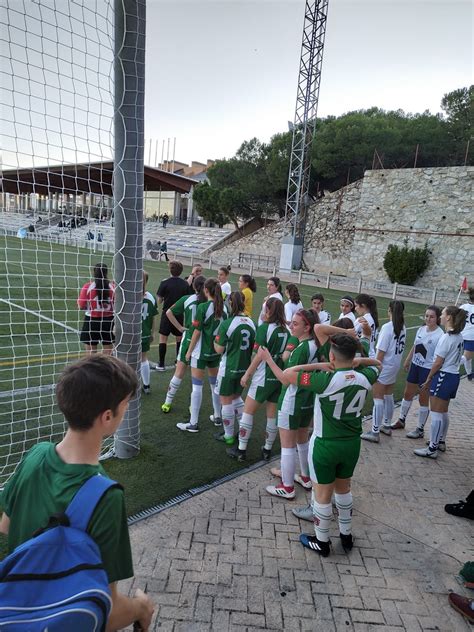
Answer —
214 288
236 303
275 312
198 287
102 283
250 281
458 319
293 293
398 321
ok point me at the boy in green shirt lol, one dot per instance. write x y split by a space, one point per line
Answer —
93 395
340 387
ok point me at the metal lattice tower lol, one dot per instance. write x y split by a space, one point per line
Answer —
304 127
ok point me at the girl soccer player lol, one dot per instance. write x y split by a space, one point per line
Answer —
347 306
149 311
295 411
317 303
248 287
390 346
443 378
223 278
274 290
294 303
234 342
97 299
468 335
418 364
201 353
186 308
366 308
264 387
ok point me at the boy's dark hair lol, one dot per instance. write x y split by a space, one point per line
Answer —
91 386
236 303
176 268
318 297
276 311
344 347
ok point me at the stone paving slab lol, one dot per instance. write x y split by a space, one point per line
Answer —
229 559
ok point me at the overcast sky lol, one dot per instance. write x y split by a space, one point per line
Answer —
220 72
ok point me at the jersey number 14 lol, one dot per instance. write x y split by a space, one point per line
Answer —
354 407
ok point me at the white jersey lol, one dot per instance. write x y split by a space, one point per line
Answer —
324 317
350 315
468 331
226 289
450 347
425 345
391 345
358 328
291 309
276 295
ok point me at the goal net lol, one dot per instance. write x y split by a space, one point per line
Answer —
56 201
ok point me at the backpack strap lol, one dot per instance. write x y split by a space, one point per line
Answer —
87 498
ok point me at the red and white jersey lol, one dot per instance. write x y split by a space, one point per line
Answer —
89 300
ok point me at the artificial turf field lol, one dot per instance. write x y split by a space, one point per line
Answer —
45 279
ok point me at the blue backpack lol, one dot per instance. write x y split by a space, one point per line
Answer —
56 580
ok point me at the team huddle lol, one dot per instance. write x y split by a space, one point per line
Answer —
308 372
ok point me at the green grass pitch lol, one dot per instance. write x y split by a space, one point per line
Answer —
45 279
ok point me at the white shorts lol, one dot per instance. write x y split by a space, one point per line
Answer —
388 374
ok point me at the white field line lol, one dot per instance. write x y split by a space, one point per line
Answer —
50 320
27 391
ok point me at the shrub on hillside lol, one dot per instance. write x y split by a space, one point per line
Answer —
405 265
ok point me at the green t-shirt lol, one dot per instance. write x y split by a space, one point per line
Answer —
275 338
186 307
207 323
43 485
340 398
237 335
304 353
149 311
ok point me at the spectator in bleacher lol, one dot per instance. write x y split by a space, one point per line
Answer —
170 291
165 219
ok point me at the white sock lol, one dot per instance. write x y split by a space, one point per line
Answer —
238 404
303 449
436 429
344 508
245 430
216 400
467 365
377 414
288 466
196 400
175 383
145 373
405 408
271 432
322 518
389 406
228 417
444 429
423 416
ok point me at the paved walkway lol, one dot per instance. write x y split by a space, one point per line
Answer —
230 559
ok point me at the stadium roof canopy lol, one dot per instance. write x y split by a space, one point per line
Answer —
93 177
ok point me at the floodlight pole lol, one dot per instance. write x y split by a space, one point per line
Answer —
304 128
129 124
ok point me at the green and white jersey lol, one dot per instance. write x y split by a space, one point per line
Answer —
274 337
340 398
186 307
206 322
293 399
237 335
149 311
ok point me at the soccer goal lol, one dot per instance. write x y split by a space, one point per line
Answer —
71 199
